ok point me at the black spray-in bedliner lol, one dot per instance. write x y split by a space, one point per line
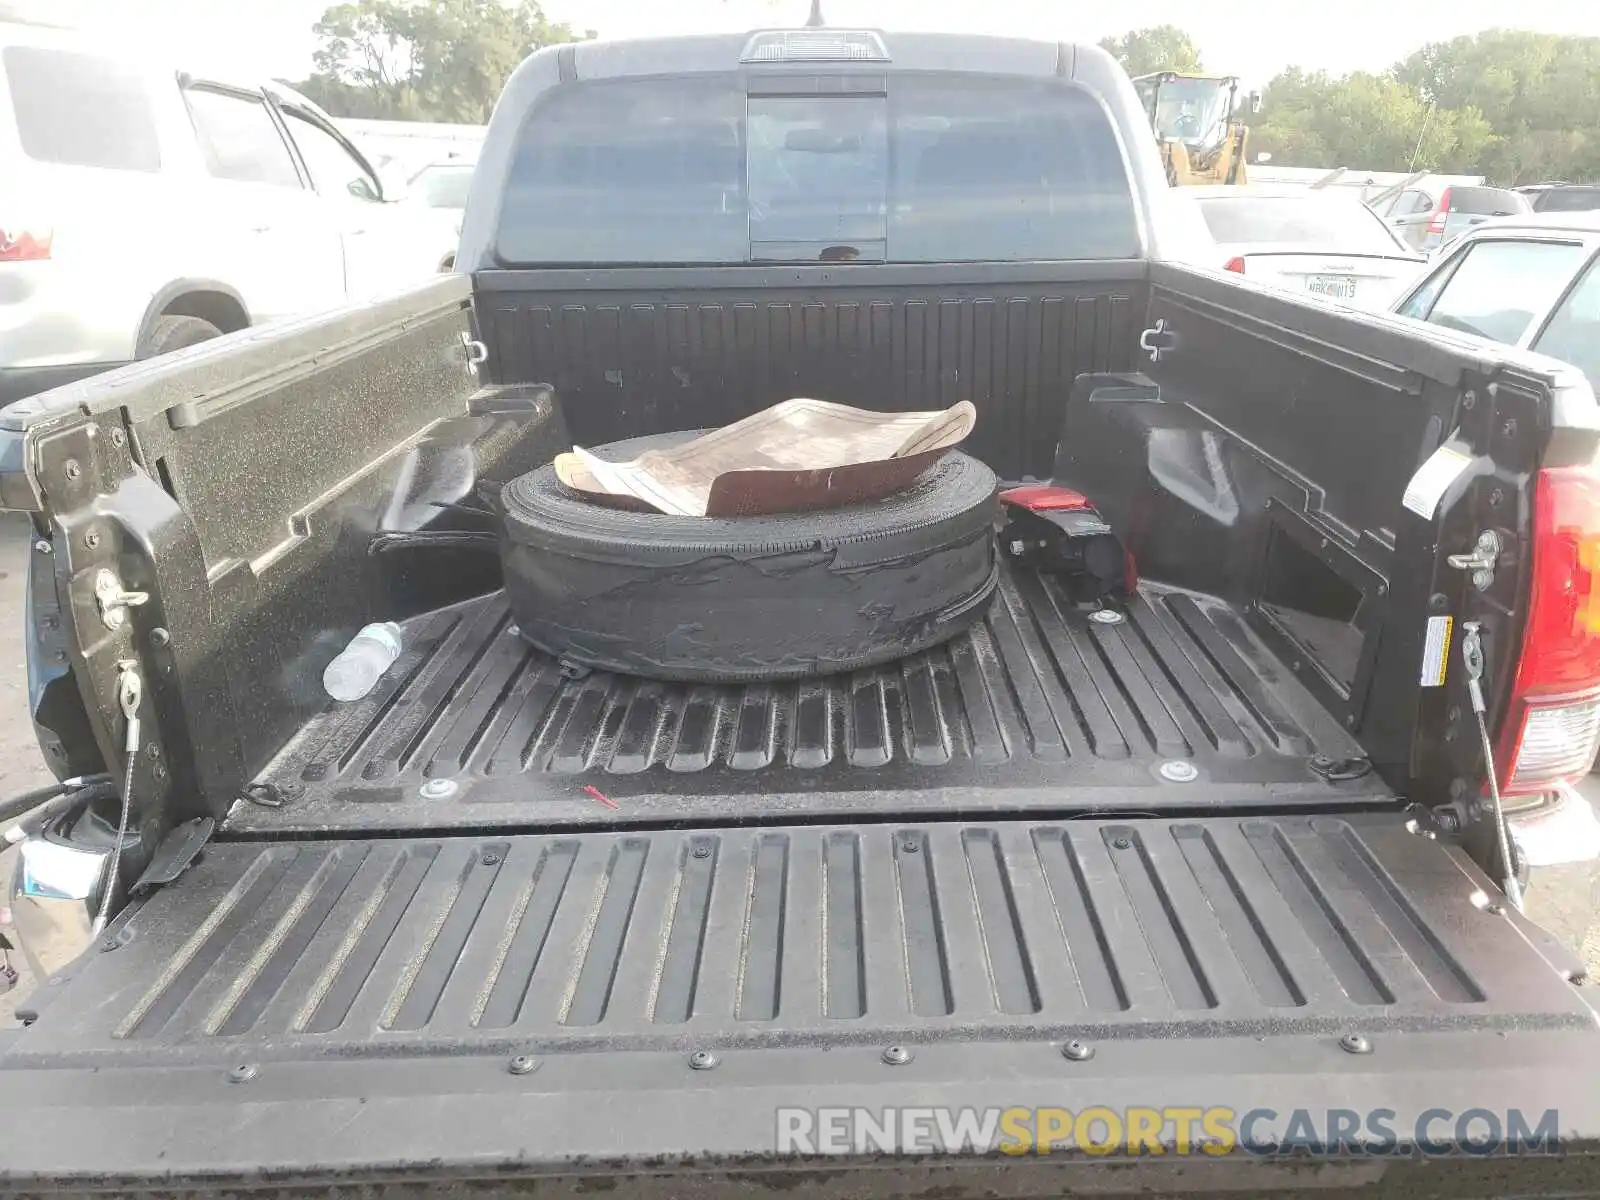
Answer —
1037 709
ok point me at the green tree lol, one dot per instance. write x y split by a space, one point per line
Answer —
1540 92
1158 48
1366 121
427 60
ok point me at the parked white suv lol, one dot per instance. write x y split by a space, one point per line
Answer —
142 209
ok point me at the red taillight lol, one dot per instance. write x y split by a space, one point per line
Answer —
25 243
1236 264
1436 222
1553 725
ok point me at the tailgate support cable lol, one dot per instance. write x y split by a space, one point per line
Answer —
1472 659
130 689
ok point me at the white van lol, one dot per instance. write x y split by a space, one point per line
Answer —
143 209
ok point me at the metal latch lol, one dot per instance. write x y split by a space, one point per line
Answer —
1481 562
476 351
112 600
1156 339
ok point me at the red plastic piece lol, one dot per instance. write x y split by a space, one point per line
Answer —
595 793
1045 498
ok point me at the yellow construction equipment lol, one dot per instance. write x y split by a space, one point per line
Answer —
1193 118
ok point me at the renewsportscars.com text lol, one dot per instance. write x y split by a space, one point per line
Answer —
1168 1130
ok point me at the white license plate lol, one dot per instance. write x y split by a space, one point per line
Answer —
1335 287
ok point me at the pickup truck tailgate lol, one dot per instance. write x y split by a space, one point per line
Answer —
321 1009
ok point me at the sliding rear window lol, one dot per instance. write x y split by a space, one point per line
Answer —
938 169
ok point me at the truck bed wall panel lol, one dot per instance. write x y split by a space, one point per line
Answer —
1269 470
803 935
629 362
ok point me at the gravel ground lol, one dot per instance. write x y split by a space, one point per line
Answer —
1566 900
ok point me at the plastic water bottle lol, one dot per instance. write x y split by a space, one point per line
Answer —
362 663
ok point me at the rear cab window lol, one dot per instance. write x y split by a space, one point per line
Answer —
936 168
80 109
1497 288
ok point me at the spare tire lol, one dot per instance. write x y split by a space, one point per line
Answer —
748 598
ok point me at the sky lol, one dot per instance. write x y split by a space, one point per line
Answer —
1250 38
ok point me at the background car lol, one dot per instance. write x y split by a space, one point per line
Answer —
1529 281
142 209
1323 242
1562 197
1424 222
443 185
442 188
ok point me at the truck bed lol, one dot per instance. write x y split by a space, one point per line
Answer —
474 728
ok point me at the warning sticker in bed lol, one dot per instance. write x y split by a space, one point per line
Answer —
1433 479
1436 651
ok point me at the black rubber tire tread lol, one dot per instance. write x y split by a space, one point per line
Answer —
753 598
174 333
